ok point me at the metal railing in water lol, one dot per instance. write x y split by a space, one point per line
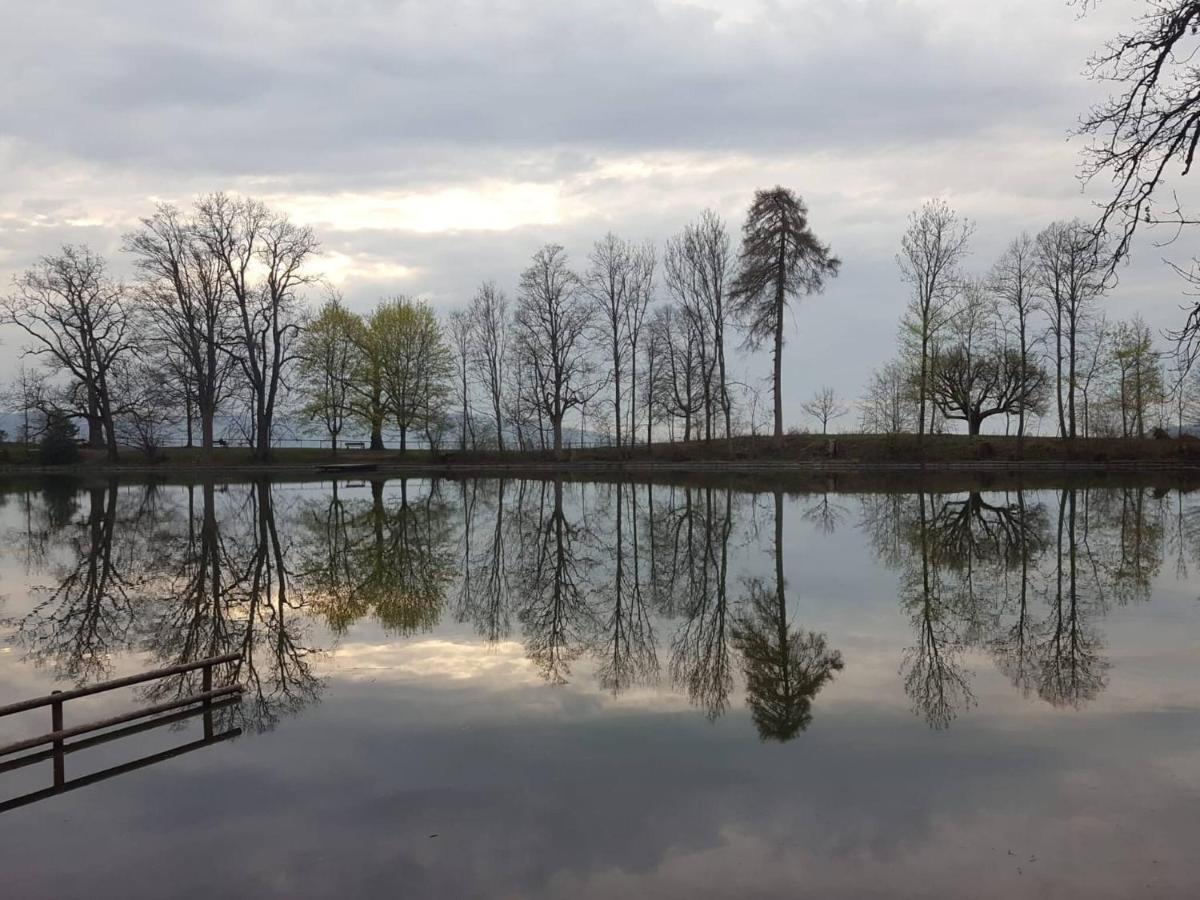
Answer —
207 701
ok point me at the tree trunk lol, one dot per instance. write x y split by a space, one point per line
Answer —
1071 385
187 412
922 388
206 431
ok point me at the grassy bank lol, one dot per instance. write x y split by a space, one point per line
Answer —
832 452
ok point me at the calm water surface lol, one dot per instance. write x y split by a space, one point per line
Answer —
508 688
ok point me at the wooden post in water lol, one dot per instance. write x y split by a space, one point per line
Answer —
206 686
56 725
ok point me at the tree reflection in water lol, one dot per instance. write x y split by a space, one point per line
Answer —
611 574
91 610
784 667
1021 580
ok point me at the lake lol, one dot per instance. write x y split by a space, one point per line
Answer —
541 688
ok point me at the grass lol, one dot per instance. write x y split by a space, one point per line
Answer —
844 449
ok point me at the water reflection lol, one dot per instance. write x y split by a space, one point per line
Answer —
656 587
1024 580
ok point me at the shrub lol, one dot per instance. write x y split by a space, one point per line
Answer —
59 445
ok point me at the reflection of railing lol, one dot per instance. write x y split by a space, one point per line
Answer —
205 703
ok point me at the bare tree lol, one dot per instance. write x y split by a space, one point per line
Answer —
80 323
264 256
459 328
1150 125
655 349
781 258
681 390
1072 271
637 312
888 407
824 407
696 269
931 251
609 283
1096 364
489 325
552 320
29 396
977 376
1014 281
187 305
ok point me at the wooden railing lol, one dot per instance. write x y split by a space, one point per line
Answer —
205 703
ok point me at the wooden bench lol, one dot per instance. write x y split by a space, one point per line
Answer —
355 445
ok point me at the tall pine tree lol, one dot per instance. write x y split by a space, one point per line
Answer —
780 259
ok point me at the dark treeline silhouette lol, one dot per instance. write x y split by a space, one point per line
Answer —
633 585
218 327
1024 339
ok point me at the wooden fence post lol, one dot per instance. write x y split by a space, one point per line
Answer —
56 724
206 686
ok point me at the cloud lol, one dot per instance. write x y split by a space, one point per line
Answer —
436 144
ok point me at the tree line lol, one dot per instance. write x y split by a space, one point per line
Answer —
1025 339
218 322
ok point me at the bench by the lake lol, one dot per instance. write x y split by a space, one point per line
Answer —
355 445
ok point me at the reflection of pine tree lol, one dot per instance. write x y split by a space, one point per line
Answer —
784 669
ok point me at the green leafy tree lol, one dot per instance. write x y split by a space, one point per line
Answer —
415 364
329 363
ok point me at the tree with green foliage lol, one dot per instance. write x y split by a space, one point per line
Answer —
1138 387
781 258
366 396
416 364
329 363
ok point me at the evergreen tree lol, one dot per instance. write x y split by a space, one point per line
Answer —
59 445
780 258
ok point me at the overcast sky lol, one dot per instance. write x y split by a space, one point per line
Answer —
435 143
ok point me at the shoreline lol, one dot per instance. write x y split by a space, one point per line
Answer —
765 477
794 458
